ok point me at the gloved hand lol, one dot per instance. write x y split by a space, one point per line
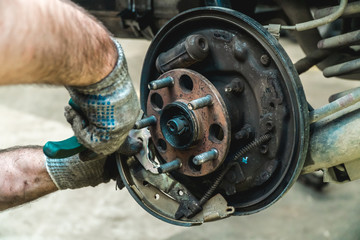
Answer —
88 168
109 109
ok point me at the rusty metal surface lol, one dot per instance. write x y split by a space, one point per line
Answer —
335 106
351 9
194 49
340 40
334 140
342 68
188 204
214 209
244 87
262 95
205 140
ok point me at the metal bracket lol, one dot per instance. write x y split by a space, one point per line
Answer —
214 209
274 30
145 156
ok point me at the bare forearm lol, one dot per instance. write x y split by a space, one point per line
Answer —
51 41
23 176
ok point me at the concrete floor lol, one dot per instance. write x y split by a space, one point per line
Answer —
34 114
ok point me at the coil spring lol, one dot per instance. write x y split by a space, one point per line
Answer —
257 142
343 40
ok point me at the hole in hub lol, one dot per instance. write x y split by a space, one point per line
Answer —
193 166
202 43
156 101
186 83
162 145
216 132
157 196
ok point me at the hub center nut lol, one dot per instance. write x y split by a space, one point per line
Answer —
178 125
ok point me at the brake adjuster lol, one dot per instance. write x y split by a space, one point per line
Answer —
226 121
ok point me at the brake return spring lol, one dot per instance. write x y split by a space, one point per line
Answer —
255 143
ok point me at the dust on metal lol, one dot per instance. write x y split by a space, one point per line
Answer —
170 166
205 157
161 83
200 102
209 117
145 122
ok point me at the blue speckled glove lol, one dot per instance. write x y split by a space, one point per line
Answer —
109 109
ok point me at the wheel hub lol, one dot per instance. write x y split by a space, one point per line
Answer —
191 119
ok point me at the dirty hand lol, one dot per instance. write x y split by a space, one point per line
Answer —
88 168
108 108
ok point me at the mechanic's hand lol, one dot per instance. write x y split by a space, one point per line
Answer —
88 168
109 110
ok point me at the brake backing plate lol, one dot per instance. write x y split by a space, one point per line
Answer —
226 120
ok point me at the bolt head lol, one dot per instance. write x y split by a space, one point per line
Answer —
265 60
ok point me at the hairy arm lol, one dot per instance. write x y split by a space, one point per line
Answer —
54 42
23 176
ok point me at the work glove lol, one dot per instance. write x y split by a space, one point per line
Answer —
88 168
108 110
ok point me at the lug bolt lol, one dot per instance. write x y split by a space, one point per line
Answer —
205 157
161 83
170 166
145 122
200 102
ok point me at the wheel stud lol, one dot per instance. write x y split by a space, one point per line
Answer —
170 166
161 83
145 122
200 102
205 157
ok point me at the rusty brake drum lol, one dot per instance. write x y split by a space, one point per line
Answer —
226 120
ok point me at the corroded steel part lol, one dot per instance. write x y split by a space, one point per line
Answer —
257 119
161 83
195 48
205 157
170 166
331 138
145 122
200 102
207 128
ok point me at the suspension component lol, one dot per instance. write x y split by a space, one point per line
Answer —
342 68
